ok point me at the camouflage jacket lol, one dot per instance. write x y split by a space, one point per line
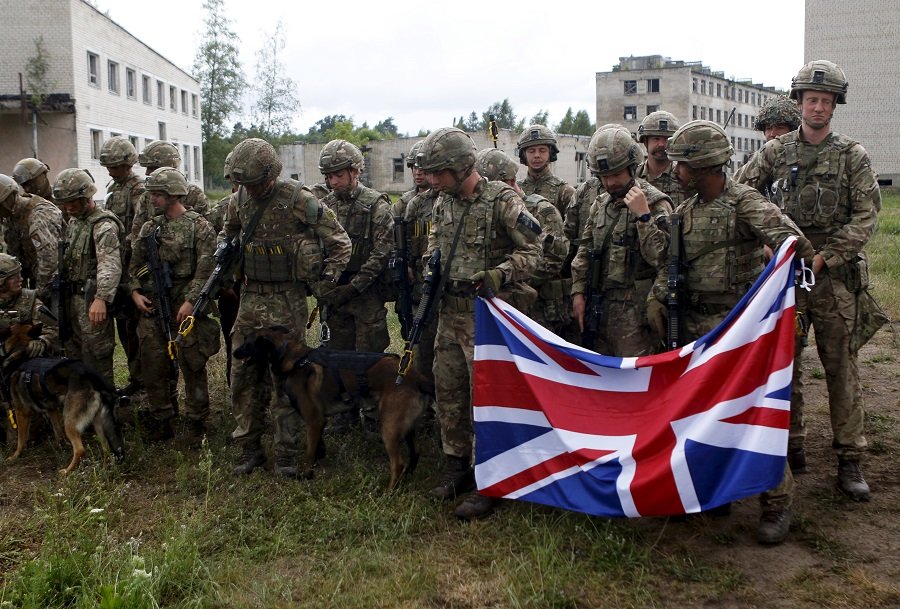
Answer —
667 182
634 249
216 215
32 235
195 200
366 216
186 246
553 240
578 211
418 213
123 199
94 252
24 307
550 187
829 190
722 243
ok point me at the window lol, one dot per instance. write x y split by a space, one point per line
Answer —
173 98
703 113
630 87
753 98
160 94
162 130
580 166
197 164
630 113
703 87
739 144
184 108
96 143
113 76
694 85
718 89
134 141
145 89
719 116
651 109
93 66
652 85
732 141
397 173
195 103
130 83
746 144
147 141
187 161
694 115
114 134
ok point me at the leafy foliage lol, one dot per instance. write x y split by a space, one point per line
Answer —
276 94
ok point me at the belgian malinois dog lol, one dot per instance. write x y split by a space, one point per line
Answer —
69 392
312 377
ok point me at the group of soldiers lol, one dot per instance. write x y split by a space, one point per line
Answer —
593 265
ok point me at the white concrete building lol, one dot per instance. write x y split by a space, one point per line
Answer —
638 86
102 82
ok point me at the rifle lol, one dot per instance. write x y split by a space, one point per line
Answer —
399 268
227 254
60 290
162 281
593 298
430 296
673 284
492 129
729 117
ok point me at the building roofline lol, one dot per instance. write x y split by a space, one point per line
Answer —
661 62
151 49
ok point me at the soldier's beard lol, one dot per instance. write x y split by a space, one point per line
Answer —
620 193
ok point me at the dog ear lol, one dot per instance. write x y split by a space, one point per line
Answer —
36 329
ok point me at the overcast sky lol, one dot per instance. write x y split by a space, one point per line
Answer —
426 63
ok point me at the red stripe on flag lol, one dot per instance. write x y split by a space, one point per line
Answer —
542 470
767 417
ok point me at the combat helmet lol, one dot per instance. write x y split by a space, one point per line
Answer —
611 150
73 184
28 169
252 161
658 124
168 180
411 157
494 164
117 151
778 110
447 148
821 75
159 154
8 186
340 154
537 135
9 267
700 144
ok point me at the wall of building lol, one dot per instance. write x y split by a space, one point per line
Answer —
861 37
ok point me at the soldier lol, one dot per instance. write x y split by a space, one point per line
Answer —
779 115
93 266
32 229
552 306
825 183
185 243
537 148
122 196
357 314
654 133
723 228
158 154
33 176
626 234
229 292
22 305
283 229
496 260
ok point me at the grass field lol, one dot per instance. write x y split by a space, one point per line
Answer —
173 528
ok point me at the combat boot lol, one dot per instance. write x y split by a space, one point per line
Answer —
286 465
475 506
851 481
774 524
796 458
457 478
196 431
251 458
159 430
130 389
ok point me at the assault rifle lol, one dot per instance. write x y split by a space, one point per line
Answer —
399 268
227 255
593 299
162 281
673 283
60 291
492 129
429 300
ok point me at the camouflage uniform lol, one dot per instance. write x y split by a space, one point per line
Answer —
194 200
23 307
665 182
543 182
281 258
186 245
32 229
660 124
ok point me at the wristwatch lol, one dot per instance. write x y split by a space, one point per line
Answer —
644 217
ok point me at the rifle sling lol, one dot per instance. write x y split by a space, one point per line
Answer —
446 275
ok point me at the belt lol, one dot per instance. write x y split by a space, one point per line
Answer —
458 304
270 287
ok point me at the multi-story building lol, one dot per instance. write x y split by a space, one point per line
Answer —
100 81
861 37
638 86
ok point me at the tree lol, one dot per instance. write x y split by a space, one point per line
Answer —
316 133
37 70
387 128
218 69
582 124
503 115
541 118
565 125
276 94
473 123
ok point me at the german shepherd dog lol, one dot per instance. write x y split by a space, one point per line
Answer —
311 377
68 391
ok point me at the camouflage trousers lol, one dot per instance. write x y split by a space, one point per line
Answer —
454 353
553 308
92 344
624 331
251 391
192 357
360 324
831 310
423 354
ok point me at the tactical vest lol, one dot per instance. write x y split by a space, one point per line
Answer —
665 182
356 218
817 196
177 250
548 187
418 222
282 248
578 213
18 310
120 199
719 261
81 255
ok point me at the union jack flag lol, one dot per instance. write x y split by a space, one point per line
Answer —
673 433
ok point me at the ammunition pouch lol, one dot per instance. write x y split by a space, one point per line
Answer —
854 274
267 261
